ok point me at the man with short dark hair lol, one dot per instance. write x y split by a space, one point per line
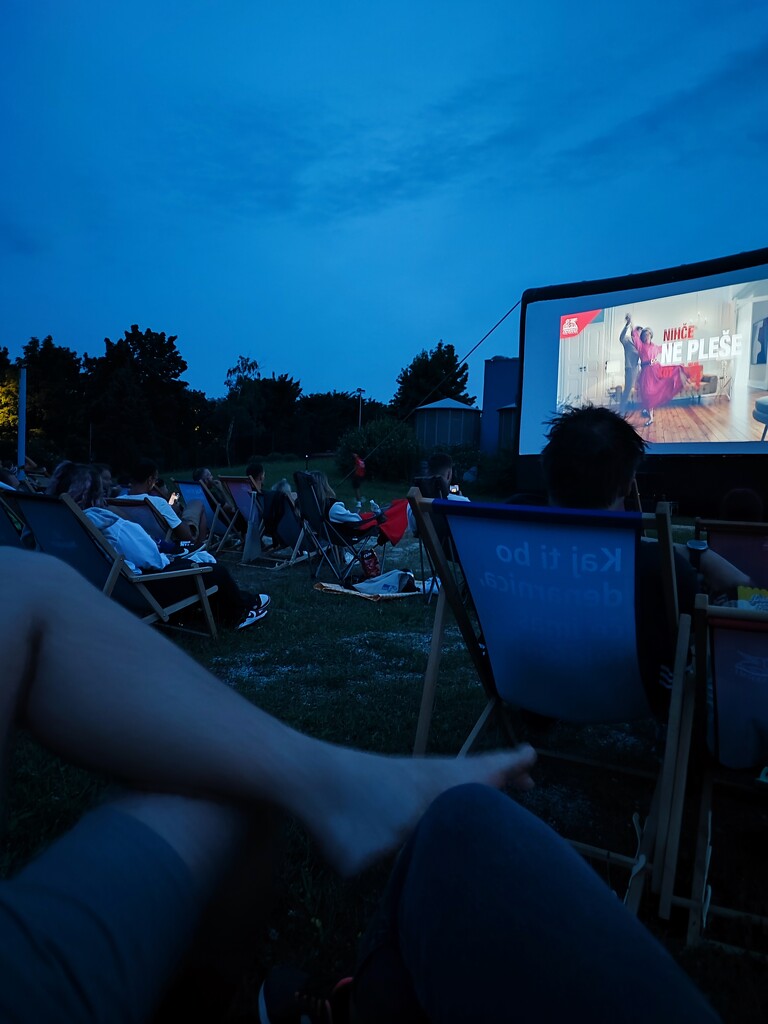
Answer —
255 470
190 526
441 464
591 458
590 461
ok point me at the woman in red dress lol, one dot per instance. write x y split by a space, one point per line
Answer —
656 384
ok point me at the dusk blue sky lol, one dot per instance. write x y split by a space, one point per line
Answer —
331 188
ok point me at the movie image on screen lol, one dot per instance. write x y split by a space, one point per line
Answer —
684 354
685 362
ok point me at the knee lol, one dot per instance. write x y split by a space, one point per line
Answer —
459 814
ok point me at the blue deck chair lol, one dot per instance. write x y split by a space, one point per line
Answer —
556 635
61 529
142 512
221 526
275 515
732 665
10 534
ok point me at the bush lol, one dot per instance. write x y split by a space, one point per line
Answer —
388 447
498 473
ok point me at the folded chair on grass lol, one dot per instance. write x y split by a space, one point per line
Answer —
61 529
732 664
556 635
144 513
221 525
338 549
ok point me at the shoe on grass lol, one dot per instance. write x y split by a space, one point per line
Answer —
258 611
284 998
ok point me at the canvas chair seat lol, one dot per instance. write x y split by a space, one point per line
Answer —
221 526
143 512
62 530
732 666
10 535
556 635
744 545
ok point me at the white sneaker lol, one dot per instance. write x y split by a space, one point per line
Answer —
257 612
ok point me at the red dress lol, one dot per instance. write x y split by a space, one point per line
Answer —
656 384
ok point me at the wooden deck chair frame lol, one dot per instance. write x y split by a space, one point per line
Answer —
710 620
313 524
197 491
425 485
143 512
114 578
658 839
9 534
239 488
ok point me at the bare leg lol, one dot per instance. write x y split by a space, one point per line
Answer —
157 718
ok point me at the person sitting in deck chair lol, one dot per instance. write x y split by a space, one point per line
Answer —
488 914
192 523
206 477
233 607
349 524
590 461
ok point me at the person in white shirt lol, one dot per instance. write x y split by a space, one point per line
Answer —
232 606
190 526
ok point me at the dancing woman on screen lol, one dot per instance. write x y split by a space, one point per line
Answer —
656 384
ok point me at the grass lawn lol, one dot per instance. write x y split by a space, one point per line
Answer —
350 671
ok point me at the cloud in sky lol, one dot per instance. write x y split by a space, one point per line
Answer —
264 176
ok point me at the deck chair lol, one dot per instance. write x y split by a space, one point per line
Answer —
221 525
276 516
61 529
731 658
239 489
337 549
431 487
556 635
10 534
744 545
144 513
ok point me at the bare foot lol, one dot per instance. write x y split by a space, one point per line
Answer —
365 805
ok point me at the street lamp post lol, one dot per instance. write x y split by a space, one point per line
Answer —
360 392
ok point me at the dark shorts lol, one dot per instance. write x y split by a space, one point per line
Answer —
93 928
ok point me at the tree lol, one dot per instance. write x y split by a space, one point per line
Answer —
324 416
137 402
428 378
260 411
55 398
278 398
389 448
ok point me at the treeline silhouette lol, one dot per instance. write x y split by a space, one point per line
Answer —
132 401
